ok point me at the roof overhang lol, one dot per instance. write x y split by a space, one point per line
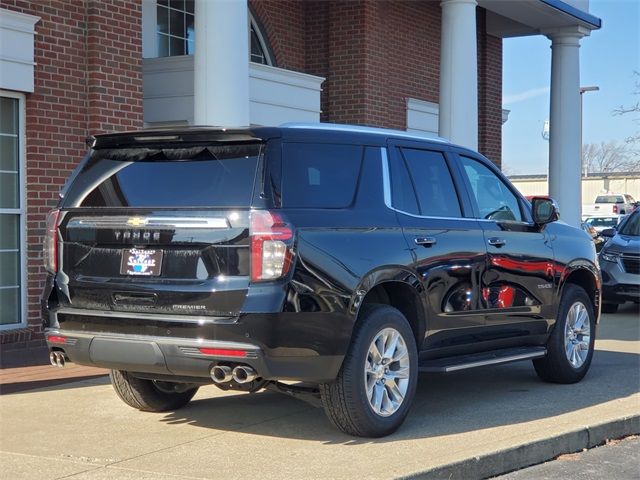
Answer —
532 17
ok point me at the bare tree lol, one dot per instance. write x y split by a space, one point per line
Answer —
610 157
632 109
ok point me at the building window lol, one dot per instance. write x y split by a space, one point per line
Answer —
175 27
12 218
259 52
175 32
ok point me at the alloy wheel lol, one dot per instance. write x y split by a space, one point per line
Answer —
577 335
387 371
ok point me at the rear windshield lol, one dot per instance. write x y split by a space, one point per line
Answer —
609 199
602 221
203 176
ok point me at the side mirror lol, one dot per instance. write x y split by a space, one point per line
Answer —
544 210
608 232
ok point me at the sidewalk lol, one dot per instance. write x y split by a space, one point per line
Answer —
470 425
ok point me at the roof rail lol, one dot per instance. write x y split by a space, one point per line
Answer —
361 129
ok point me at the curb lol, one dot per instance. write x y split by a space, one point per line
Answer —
533 453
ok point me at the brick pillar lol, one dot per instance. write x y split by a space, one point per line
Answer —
114 65
489 91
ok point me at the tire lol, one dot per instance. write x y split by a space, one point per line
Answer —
346 401
610 307
149 396
557 367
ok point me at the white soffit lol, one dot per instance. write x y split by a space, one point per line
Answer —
16 50
531 17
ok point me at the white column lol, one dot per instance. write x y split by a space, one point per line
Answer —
221 63
565 163
458 120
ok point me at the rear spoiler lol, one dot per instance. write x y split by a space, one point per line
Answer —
181 137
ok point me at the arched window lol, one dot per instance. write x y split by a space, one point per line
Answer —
259 52
175 32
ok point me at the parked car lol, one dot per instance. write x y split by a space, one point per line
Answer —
327 262
598 240
620 264
602 222
610 204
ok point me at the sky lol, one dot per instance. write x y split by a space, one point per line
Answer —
608 59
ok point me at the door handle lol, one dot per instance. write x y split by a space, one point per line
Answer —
425 241
497 242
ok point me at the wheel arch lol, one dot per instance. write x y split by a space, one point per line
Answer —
587 276
398 288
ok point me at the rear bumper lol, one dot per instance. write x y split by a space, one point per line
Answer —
300 348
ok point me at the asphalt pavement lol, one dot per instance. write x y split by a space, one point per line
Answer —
619 460
472 424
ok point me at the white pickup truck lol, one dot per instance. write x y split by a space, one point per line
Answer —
609 204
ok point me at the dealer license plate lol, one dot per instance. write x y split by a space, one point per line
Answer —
138 261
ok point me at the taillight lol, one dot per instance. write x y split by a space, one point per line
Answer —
615 209
270 246
225 352
56 339
50 248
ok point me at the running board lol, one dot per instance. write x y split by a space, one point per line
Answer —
494 357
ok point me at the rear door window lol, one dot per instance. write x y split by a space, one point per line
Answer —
432 182
204 176
320 175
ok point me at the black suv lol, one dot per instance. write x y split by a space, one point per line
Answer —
326 261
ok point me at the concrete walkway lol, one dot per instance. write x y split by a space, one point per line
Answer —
466 425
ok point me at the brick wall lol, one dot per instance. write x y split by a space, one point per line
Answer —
283 22
88 79
489 92
376 54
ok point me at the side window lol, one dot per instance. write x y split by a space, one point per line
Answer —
494 199
403 195
432 183
319 175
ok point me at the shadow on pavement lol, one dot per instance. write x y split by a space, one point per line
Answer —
445 405
59 383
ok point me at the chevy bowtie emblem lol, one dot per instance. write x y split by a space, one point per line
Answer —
137 221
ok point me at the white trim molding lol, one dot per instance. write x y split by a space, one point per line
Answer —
422 116
276 95
16 50
505 115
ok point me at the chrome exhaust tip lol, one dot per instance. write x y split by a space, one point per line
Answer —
244 374
221 374
57 359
